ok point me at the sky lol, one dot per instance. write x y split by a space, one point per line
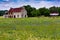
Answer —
7 4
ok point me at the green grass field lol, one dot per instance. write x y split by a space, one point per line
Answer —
43 28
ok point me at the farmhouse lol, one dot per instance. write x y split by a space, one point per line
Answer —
54 14
16 13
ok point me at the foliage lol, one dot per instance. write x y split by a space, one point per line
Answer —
35 13
2 12
44 11
53 9
58 10
29 10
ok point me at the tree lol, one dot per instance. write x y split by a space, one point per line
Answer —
58 10
44 11
35 13
29 10
47 12
53 9
2 12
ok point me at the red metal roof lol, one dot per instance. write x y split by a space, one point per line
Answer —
15 10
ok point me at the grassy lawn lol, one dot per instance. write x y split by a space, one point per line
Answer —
43 28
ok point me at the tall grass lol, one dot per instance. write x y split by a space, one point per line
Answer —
43 28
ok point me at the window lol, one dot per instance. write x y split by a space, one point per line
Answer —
17 15
25 15
22 15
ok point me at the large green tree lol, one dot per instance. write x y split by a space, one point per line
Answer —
44 11
29 10
58 10
53 9
35 13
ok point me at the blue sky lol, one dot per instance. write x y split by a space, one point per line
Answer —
7 4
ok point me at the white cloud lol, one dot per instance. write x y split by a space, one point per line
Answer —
47 4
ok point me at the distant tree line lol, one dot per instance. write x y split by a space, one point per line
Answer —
33 12
2 12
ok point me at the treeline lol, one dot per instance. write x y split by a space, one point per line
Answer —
33 12
2 12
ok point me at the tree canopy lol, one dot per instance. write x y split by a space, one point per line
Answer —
33 12
2 12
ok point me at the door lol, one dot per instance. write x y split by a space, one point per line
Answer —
14 16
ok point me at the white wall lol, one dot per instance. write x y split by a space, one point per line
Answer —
5 16
54 14
16 14
24 13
